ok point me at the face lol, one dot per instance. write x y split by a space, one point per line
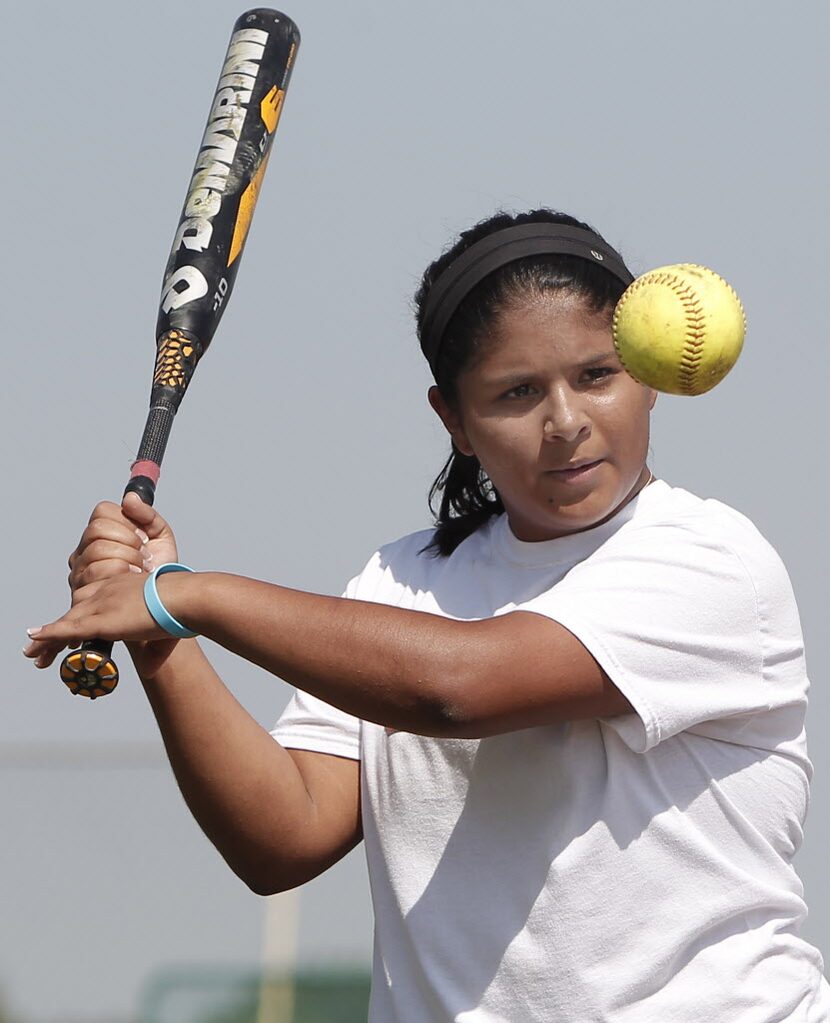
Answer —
557 424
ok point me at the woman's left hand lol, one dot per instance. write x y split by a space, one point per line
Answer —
112 609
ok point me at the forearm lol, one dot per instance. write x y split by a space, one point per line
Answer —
242 787
379 663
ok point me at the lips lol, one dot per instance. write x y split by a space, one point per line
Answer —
583 463
579 470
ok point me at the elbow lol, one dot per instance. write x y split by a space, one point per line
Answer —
465 700
449 709
268 882
264 875
266 886
453 718
258 885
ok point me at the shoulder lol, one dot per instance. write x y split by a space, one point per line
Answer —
397 562
680 519
704 539
407 564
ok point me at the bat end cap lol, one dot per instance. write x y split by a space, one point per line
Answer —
88 673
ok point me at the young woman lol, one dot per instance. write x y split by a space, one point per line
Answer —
567 723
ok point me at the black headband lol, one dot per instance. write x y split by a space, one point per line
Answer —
495 251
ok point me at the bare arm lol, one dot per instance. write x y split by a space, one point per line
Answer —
278 817
406 669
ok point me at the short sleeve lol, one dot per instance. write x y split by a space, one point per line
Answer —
671 615
310 724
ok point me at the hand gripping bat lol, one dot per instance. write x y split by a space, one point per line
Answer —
205 257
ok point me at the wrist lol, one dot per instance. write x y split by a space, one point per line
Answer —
184 595
151 658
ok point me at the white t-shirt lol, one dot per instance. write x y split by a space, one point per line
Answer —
635 868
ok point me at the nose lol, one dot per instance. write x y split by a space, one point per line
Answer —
565 418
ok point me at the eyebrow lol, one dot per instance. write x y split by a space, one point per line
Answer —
591 360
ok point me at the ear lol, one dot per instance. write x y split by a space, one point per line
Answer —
652 400
451 420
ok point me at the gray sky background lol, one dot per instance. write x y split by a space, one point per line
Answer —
685 133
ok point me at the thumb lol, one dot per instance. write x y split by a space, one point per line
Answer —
144 515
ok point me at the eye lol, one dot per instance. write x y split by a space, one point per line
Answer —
596 373
519 391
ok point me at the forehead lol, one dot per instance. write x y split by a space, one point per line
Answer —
550 329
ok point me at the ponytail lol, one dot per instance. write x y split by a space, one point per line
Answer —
468 500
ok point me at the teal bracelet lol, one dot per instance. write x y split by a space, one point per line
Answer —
161 615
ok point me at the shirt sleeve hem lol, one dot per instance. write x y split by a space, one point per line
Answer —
298 738
614 670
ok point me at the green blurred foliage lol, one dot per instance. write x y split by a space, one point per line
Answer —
224 995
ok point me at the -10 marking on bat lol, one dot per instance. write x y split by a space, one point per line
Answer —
219 294
213 164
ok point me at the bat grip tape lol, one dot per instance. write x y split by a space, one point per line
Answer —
161 616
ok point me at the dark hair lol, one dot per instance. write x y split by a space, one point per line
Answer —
468 498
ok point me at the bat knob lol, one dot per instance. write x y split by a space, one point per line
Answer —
88 672
144 487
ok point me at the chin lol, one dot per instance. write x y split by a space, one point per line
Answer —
558 519
576 523
550 526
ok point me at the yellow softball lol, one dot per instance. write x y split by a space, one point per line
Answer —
679 329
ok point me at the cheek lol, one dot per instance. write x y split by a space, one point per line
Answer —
629 422
506 448
628 403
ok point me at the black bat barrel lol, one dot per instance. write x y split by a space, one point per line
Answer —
215 218
226 180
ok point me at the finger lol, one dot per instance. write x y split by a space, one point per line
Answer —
90 590
110 587
105 539
103 550
100 550
80 580
107 510
116 530
97 617
105 569
106 515
47 658
145 516
34 648
106 523
43 654
69 630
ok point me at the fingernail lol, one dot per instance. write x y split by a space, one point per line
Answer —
34 631
134 568
142 536
40 663
148 564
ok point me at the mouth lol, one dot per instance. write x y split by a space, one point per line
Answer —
576 470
